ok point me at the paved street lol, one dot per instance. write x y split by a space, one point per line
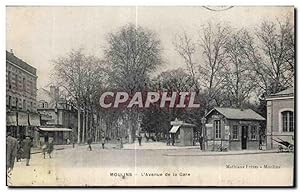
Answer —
79 166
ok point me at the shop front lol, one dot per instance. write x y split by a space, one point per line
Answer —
59 135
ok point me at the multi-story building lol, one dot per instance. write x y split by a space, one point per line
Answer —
21 80
280 118
58 116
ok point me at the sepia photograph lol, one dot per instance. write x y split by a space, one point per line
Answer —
150 96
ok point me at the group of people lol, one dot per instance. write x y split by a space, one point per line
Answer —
17 149
47 148
90 140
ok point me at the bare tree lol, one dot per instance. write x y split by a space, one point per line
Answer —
271 55
213 40
186 48
79 75
132 53
239 78
209 49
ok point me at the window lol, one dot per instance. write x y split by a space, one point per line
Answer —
24 104
253 132
14 102
24 84
17 82
9 79
217 129
287 121
235 130
9 101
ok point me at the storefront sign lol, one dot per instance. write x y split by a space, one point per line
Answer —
11 119
22 119
34 120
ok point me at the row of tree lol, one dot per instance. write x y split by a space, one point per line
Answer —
224 66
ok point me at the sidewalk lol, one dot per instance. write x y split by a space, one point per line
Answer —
155 146
215 153
192 150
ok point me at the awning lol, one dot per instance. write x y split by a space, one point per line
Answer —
34 119
22 119
45 117
54 129
174 129
11 119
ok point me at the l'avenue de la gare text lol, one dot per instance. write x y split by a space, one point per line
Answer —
150 174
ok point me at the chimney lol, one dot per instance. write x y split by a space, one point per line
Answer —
54 91
12 51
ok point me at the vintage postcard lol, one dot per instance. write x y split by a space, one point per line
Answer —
117 96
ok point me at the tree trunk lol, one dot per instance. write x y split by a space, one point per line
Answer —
87 128
78 122
129 130
83 127
129 127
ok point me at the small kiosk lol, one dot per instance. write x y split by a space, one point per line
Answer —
186 133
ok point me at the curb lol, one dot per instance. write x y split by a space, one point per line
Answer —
222 154
159 149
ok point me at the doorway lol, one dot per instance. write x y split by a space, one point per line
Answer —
244 136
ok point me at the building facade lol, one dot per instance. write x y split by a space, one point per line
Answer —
280 117
232 129
58 116
184 131
21 91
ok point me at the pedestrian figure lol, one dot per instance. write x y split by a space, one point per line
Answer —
50 148
27 144
103 142
19 149
140 139
168 140
44 148
73 141
260 140
11 152
173 139
121 143
89 141
201 142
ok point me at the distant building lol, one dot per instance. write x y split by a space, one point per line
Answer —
58 116
183 130
21 108
280 117
232 128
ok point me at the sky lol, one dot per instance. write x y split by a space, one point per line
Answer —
38 35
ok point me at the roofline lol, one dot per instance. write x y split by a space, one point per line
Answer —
248 119
234 118
22 69
209 112
279 98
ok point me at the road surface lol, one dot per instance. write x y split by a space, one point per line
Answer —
115 167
